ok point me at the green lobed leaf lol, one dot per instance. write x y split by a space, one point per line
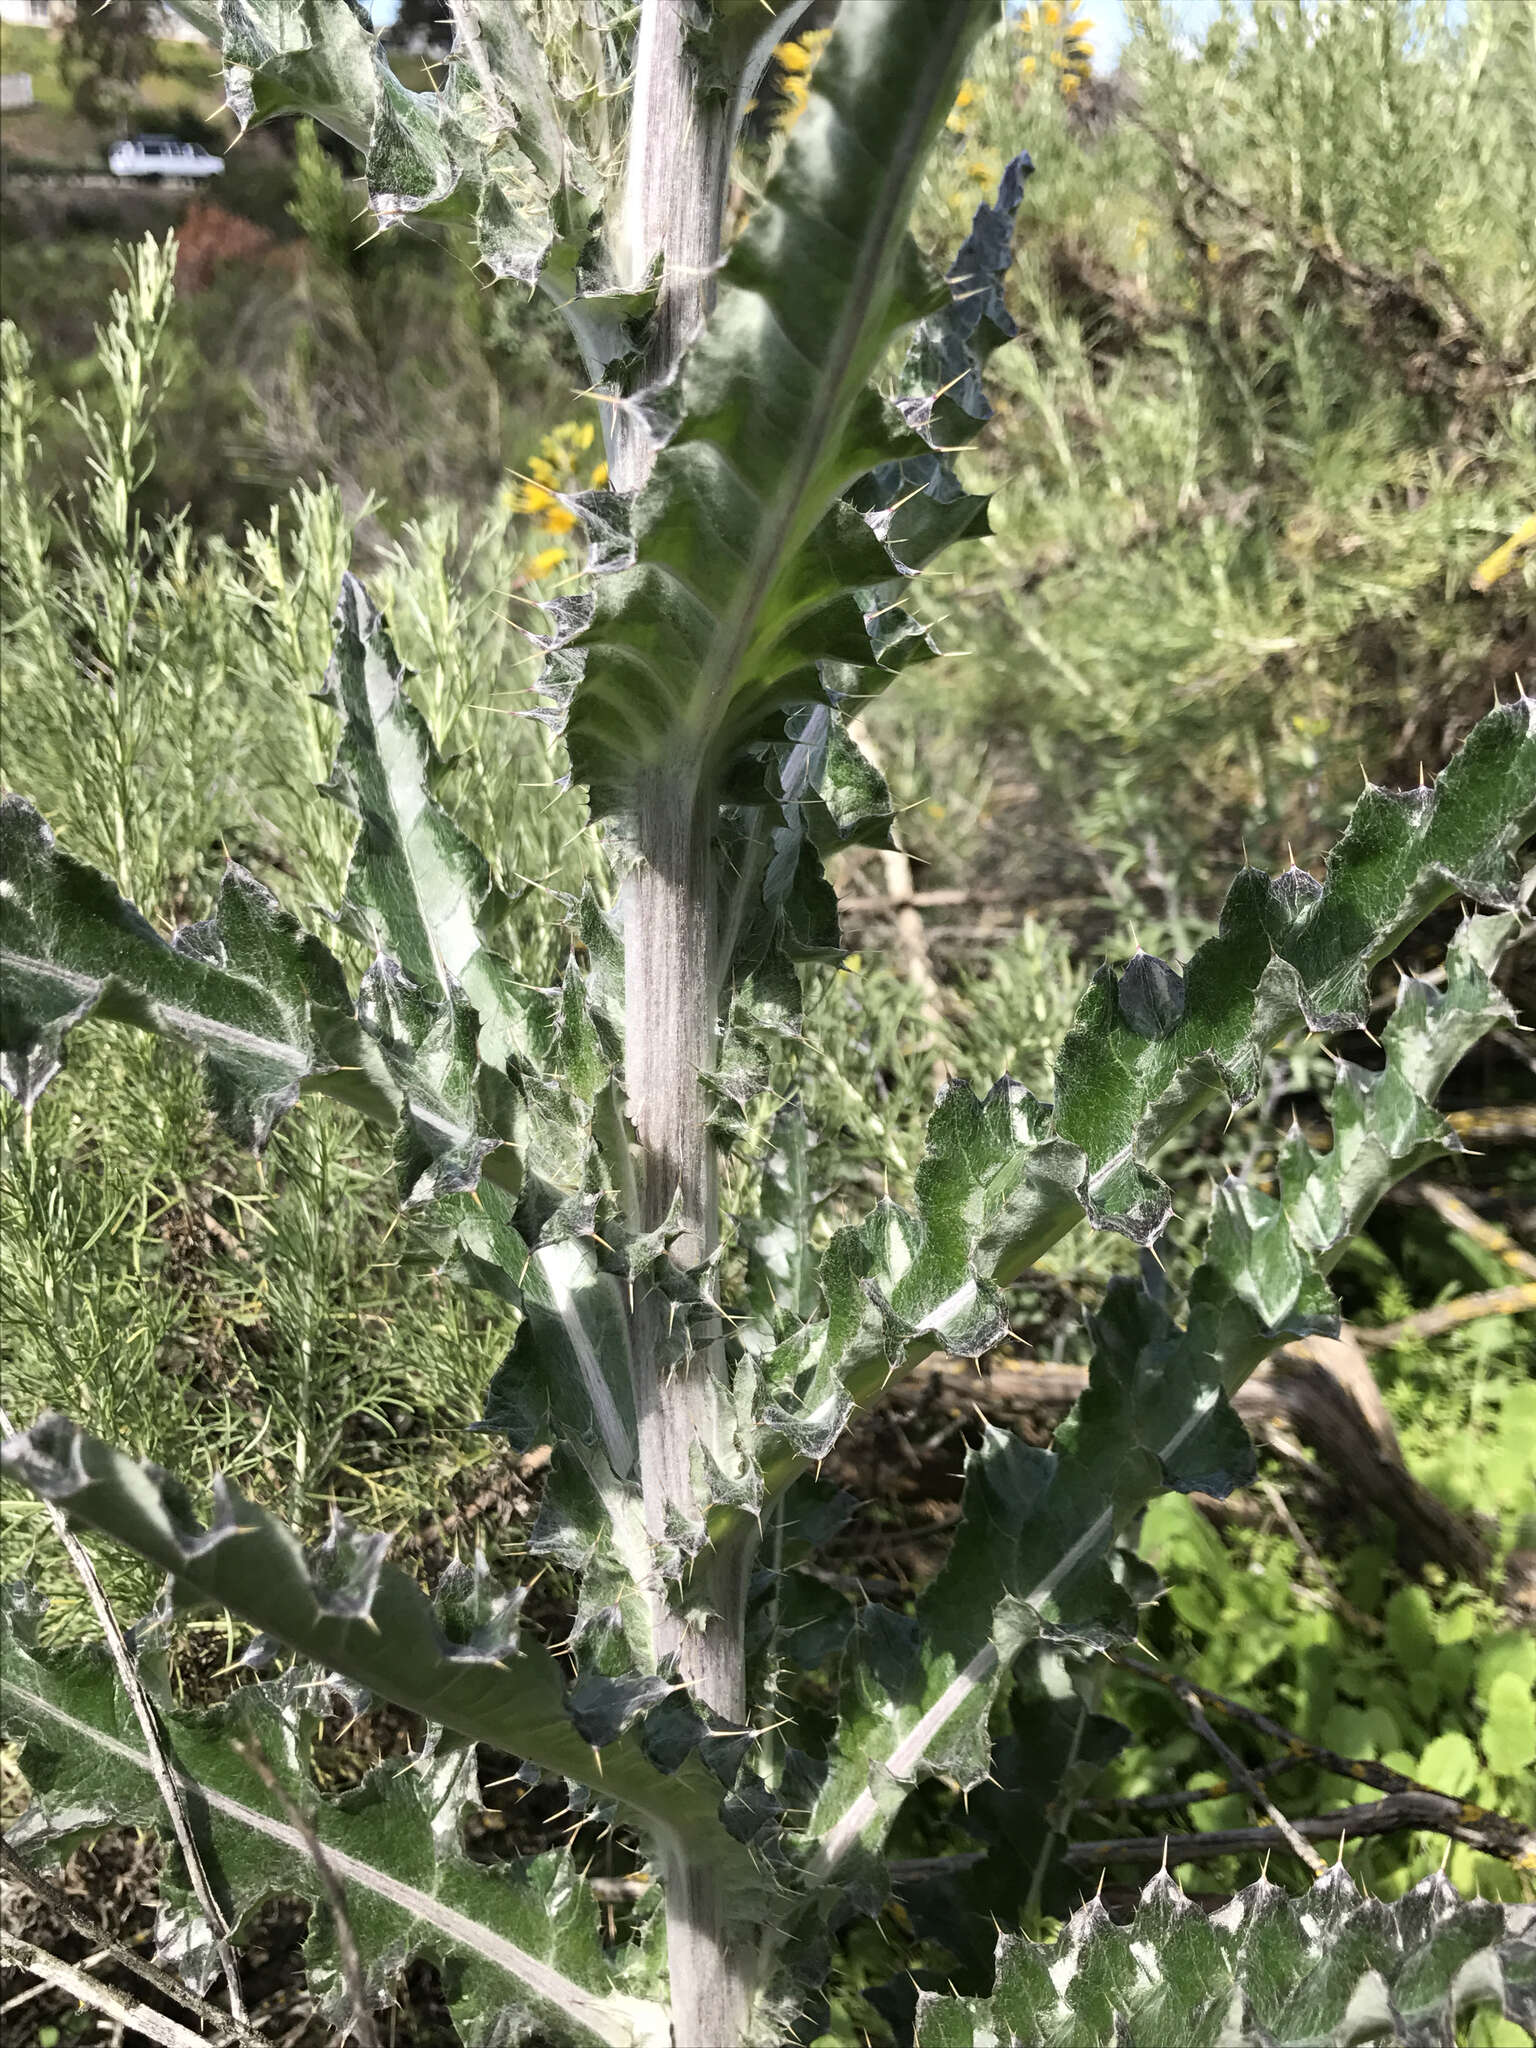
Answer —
345 1610
747 559
518 1945
781 1263
1032 1554
1266 1971
1004 1178
567 1382
263 1002
1137 1063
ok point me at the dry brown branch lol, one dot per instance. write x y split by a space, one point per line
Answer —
1434 1812
128 2014
1245 1778
1495 1834
219 2027
926 899
1169 1802
1512 1123
1321 1409
911 934
1453 1211
159 1761
1518 1300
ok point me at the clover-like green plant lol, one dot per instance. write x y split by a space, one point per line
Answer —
783 415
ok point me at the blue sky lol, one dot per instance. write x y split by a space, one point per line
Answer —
1110 31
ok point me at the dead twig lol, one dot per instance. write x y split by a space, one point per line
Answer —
1197 1795
1513 1123
1495 1834
219 2027
1434 1813
926 899
1245 1778
351 1962
1518 1300
1488 1237
911 934
128 2013
159 1759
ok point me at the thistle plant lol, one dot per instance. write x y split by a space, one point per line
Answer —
782 419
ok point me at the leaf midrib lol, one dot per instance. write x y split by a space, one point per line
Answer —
774 535
542 1978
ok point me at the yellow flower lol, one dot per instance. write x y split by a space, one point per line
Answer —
599 476
540 468
966 94
1213 252
531 498
1050 13
1028 67
1502 560
584 434
797 60
980 172
1070 84
545 560
558 519
853 962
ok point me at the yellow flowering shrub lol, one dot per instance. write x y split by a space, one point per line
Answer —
1057 39
557 472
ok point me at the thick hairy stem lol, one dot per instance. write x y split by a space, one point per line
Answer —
669 1035
674 202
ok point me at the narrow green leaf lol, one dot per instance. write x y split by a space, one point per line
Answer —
781 1260
417 888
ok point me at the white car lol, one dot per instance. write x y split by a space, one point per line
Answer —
161 156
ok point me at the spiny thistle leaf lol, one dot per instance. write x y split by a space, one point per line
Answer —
263 1001
417 888
348 1612
781 1263
489 148
1133 1068
567 1382
1267 1971
917 504
1003 1179
747 559
1032 1553
518 1945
